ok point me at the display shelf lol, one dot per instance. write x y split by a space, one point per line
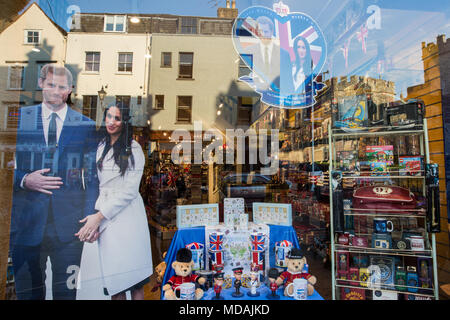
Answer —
391 252
386 213
337 133
418 180
430 295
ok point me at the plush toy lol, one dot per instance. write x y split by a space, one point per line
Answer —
160 269
295 263
183 273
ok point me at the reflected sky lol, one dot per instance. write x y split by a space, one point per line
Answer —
404 25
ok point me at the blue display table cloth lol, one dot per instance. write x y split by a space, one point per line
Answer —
185 236
263 292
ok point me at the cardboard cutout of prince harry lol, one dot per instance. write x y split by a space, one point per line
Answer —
55 186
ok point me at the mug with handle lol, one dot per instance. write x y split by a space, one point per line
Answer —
187 291
300 291
382 225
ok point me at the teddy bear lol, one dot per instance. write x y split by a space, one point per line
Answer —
295 262
159 271
183 274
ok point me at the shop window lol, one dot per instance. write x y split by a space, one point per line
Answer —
159 101
90 107
245 107
12 117
125 62
92 62
186 65
114 24
166 59
245 65
188 25
184 109
15 77
32 36
125 100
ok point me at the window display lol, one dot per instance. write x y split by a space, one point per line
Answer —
287 150
383 236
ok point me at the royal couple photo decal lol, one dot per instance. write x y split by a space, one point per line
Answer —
284 51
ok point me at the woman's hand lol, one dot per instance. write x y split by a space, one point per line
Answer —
89 232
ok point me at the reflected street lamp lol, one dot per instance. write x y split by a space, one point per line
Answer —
102 95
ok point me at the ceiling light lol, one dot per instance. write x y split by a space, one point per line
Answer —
36 50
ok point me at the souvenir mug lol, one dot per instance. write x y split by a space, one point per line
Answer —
300 289
381 225
417 243
187 291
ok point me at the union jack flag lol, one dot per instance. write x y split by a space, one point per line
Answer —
216 241
257 240
194 246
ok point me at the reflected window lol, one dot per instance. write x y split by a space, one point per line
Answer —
15 77
159 101
123 99
184 109
188 25
12 117
186 65
114 23
166 59
90 107
245 107
92 61
32 36
125 62
245 65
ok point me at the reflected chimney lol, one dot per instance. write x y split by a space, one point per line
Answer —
230 12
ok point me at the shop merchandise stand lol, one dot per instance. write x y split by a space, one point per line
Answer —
430 248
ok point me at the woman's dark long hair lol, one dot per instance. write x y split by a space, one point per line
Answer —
307 65
122 147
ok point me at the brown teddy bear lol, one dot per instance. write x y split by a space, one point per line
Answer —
160 269
183 274
295 263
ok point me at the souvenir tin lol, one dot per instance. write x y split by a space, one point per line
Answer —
282 249
198 258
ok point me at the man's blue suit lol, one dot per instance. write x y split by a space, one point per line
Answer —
37 216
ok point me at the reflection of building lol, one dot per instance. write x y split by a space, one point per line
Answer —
299 130
9 12
30 42
435 92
